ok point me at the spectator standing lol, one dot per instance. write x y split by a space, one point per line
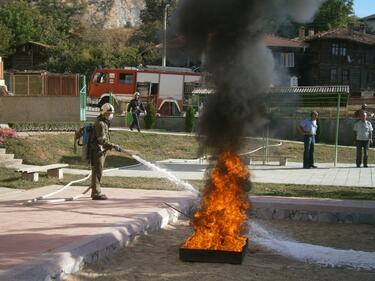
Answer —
362 138
308 128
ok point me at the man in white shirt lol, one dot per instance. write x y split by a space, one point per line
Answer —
308 128
362 138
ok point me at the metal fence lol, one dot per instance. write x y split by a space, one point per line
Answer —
1 69
43 84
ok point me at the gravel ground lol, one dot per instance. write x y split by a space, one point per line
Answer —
155 257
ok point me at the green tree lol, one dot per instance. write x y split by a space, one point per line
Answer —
333 14
149 34
190 119
59 19
6 36
154 10
150 117
23 19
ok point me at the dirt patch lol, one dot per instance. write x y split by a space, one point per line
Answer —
155 257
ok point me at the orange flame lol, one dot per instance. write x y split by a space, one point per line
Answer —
220 220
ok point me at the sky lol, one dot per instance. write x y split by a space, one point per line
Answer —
363 8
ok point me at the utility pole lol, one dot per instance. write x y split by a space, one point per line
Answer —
164 60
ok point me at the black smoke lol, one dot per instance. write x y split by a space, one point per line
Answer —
230 35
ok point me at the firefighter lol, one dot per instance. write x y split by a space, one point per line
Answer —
136 107
100 144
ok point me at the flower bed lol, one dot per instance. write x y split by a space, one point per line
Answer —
7 133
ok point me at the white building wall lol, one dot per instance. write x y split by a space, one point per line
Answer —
148 77
192 78
171 86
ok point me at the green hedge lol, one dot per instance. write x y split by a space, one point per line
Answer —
46 126
190 119
150 117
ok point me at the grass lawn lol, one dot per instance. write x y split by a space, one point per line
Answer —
58 148
12 179
42 149
47 148
323 153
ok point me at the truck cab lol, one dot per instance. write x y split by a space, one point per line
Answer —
163 86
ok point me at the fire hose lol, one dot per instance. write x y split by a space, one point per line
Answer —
260 148
44 198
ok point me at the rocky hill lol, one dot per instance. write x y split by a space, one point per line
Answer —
110 14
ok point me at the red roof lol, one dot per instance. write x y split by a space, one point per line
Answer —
275 41
344 34
269 40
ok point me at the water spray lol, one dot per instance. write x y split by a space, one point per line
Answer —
44 198
325 256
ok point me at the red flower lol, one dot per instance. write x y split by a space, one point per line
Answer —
7 133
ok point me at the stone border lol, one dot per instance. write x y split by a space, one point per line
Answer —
315 210
73 257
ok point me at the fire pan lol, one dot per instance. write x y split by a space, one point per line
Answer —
214 256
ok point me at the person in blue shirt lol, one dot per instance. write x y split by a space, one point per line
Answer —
308 128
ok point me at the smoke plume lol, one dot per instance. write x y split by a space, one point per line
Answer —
230 35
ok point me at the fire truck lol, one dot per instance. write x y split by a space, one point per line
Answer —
163 86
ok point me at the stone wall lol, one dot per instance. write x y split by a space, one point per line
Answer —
283 128
313 209
39 109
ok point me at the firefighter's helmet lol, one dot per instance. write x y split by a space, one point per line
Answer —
107 108
137 94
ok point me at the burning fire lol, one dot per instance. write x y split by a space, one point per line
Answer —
219 222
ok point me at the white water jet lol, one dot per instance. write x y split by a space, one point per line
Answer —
325 256
186 186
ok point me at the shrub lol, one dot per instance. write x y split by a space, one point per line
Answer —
46 126
150 117
189 119
7 133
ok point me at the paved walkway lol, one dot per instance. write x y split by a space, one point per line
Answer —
326 174
37 240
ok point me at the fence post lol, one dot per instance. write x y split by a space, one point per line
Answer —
83 98
110 98
1 69
337 128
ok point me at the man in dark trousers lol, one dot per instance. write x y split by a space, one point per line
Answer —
136 107
99 145
362 138
308 128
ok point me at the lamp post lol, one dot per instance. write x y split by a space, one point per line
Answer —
164 60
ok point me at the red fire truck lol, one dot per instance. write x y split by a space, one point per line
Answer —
164 86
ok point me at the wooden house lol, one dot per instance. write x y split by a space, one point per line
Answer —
288 55
27 56
341 56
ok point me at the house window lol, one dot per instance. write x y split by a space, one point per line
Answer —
335 49
333 75
287 59
338 50
345 76
101 77
126 78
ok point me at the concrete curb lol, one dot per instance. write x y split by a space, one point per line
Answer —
72 257
312 209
